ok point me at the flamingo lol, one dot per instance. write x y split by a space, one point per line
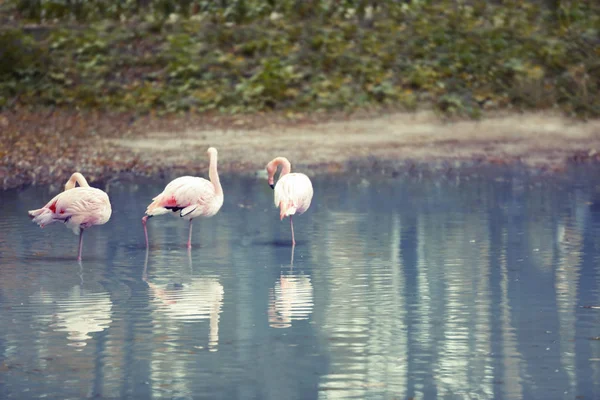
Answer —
190 197
293 192
77 207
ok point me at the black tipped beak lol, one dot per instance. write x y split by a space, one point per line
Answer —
272 185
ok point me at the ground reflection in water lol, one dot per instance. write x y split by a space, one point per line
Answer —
402 288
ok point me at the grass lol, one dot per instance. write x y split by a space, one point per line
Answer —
455 57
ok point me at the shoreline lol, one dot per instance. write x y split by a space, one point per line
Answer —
46 149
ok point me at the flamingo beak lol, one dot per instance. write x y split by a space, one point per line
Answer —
272 185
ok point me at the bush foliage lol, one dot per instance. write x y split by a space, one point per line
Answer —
459 57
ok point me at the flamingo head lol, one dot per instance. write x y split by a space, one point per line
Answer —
211 151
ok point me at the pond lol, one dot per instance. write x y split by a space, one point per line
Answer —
409 287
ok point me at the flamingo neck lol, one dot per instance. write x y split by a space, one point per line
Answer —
75 179
214 175
286 167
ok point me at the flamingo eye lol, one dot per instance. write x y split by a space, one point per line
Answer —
62 211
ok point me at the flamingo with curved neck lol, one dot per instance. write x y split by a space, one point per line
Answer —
77 207
189 197
293 191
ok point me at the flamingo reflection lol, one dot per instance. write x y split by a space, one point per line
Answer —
200 298
291 298
81 313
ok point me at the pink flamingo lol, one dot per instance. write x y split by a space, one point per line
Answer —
77 207
293 192
189 196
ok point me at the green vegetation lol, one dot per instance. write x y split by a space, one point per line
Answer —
459 57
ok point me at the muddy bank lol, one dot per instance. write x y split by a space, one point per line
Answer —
47 148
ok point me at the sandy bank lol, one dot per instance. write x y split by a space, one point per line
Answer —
535 140
327 144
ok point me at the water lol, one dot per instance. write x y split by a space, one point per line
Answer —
400 288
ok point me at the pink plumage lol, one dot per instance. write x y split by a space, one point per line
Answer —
77 207
190 197
293 191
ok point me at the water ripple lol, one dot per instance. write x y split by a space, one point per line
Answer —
79 313
400 288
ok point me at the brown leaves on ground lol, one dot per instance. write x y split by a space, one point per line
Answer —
41 147
47 146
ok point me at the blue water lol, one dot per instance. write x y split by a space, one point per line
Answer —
431 287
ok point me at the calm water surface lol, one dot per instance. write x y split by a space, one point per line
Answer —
400 288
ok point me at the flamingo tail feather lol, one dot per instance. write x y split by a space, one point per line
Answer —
41 216
188 210
156 208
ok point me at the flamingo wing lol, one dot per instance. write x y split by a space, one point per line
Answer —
83 207
80 207
189 195
293 193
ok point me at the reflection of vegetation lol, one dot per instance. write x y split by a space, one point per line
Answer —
247 55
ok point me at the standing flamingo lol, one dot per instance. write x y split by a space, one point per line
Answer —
77 207
293 192
189 196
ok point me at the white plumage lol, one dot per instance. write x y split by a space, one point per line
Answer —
293 192
189 197
77 207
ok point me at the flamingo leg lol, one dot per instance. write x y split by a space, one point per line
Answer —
292 226
80 244
189 243
145 273
144 219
